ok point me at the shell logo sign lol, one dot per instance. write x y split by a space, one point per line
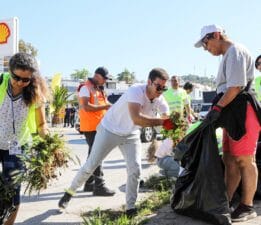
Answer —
9 37
4 33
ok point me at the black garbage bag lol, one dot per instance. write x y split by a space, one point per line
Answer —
200 191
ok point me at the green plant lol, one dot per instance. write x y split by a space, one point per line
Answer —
60 97
145 208
180 128
42 161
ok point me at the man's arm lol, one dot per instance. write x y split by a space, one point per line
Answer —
89 107
140 119
229 96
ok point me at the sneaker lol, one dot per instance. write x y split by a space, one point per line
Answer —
88 187
103 191
131 212
243 213
63 203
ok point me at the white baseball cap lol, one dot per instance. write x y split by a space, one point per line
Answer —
207 30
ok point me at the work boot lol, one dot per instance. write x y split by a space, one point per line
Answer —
88 187
63 203
102 191
243 213
131 212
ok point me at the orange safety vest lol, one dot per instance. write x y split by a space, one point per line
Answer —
90 120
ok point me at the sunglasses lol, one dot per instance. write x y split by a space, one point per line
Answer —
258 64
159 88
17 78
206 39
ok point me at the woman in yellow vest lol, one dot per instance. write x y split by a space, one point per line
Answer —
22 96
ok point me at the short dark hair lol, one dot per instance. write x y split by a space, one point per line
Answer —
188 86
258 57
23 61
158 73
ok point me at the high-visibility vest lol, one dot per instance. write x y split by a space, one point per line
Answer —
175 100
258 87
29 125
89 120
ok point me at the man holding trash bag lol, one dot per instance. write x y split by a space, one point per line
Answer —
235 72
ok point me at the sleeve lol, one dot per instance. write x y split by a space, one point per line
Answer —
84 92
135 95
163 105
235 70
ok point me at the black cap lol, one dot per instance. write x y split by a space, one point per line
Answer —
102 71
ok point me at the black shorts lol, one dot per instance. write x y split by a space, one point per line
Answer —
9 164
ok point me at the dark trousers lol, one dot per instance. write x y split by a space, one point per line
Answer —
97 177
72 121
66 121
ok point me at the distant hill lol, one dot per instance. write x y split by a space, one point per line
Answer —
199 79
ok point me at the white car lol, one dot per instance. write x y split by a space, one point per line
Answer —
204 110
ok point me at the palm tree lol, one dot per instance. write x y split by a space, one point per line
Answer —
127 76
60 97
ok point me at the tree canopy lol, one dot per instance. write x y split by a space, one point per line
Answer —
127 76
27 47
80 74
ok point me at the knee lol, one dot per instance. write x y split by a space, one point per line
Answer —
134 172
245 162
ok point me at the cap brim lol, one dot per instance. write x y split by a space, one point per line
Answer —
198 44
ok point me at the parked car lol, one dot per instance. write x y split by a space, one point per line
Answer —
204 110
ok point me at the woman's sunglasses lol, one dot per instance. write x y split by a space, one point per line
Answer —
17 78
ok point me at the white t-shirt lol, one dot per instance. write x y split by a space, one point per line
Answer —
235 69
118 120
84 92
12 109
165 149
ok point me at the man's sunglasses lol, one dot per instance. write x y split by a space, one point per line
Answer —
258 64
17 78
159 88
206 39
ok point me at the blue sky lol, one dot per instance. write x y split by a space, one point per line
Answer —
134 34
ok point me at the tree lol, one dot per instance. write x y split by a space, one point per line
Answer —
27 48
60 98
80 74
127 76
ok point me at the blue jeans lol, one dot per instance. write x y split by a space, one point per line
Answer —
9 164
169 166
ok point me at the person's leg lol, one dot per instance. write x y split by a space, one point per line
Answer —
131 151
89 137
243 152
169 165
104 142
232 174
12 165
248 171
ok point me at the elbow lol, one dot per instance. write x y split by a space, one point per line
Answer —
136 121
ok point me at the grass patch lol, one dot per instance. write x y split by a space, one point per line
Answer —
162 189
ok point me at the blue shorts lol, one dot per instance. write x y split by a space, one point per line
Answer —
9 164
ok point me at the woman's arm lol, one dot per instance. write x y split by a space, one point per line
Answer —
41 124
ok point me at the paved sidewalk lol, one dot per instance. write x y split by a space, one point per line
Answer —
166 216
43 209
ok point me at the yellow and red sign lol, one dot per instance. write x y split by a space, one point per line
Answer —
4 33
9 37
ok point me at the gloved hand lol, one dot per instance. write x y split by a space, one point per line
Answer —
214 114
168 125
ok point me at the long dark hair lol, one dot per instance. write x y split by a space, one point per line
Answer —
36 91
